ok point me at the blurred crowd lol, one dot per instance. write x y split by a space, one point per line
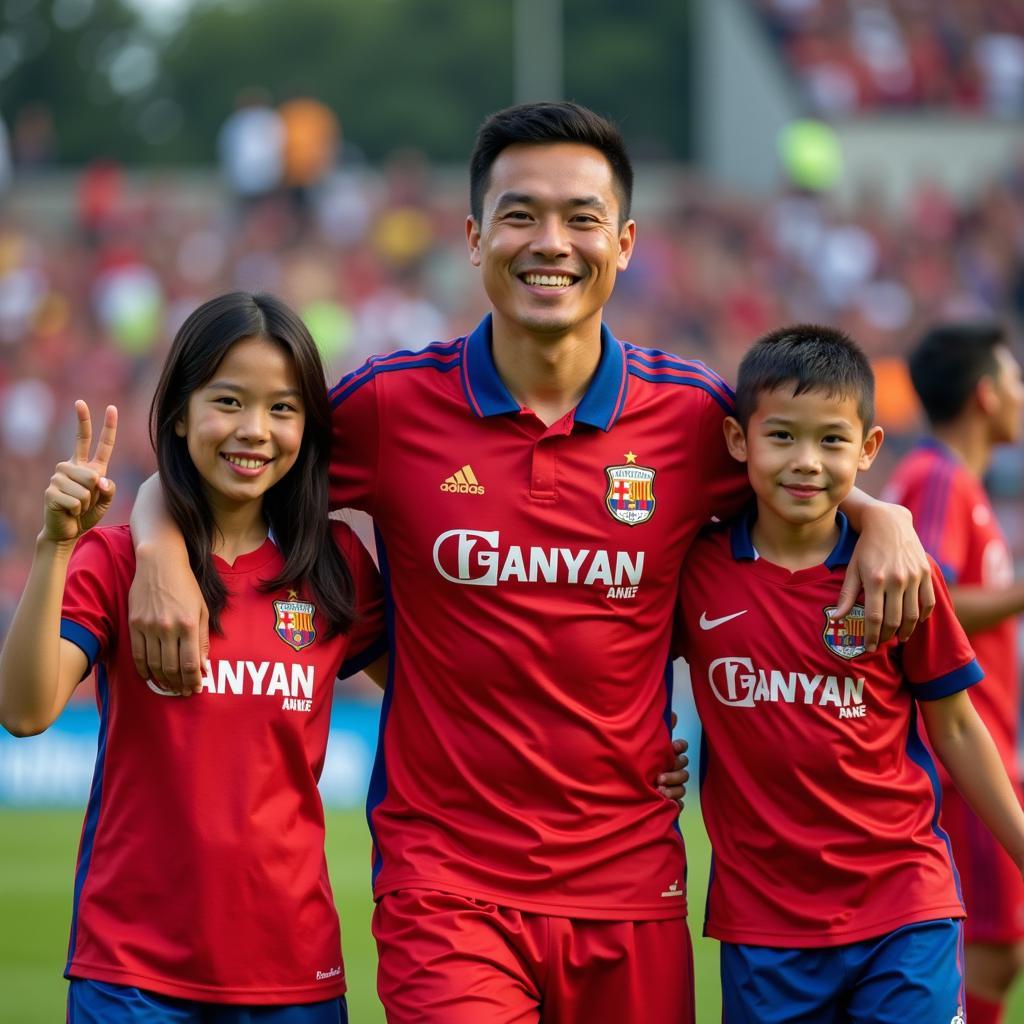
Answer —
858 55
376 260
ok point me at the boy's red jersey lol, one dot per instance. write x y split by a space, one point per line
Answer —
532 574
820 799
201 872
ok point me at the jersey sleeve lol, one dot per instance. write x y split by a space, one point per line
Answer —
355 442
938 659
89 608
722 479
368 636
941 517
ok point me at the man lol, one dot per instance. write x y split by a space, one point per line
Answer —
534 488
970 386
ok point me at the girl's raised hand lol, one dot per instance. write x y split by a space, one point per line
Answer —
80 493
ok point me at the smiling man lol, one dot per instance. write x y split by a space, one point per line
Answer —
534 487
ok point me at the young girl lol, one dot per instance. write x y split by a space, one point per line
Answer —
201 893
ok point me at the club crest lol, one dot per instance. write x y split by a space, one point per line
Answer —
630 496
845 637
293 623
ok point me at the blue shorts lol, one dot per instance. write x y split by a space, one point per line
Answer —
915 973
97 1002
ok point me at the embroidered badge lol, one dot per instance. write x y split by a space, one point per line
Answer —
293 621
630 496
845 637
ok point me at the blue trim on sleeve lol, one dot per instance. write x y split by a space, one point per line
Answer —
82 638
918 753
952 682
365 657
92 813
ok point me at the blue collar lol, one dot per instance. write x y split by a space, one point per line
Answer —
487 395
939 447
743 546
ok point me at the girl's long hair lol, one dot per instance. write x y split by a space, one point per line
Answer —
296 507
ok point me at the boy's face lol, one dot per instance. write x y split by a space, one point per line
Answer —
802 452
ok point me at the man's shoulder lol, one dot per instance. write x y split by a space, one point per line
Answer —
675 376
416 367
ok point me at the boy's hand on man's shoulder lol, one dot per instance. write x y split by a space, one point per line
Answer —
891 568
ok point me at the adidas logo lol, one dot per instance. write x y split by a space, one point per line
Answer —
463 481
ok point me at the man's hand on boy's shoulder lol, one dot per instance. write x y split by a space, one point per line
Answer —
891 568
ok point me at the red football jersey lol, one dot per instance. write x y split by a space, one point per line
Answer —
201 872
820 799
532 573
954 518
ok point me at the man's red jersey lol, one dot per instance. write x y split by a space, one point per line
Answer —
956 524
820 799
531 574
201 872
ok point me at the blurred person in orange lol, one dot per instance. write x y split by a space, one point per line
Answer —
312 137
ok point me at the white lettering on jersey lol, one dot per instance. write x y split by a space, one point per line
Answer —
476 558
735 682
292 682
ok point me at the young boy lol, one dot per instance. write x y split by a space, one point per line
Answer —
832 890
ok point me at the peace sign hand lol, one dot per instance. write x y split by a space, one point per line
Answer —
80 493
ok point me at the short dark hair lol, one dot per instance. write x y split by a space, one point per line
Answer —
809 357
948 362
296 507
543 124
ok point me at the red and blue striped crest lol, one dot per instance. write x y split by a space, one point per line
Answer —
630 496
845 636
293 623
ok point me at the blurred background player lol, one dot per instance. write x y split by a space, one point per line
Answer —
969 383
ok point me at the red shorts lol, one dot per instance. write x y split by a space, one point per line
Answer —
448 959
992 886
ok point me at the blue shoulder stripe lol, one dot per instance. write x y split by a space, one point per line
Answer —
693 381
441 355
654 359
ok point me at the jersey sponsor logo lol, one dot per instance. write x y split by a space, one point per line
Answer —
293 621
845 636
706 623
673 890
463 481
334 972
292 682
477 558
630 495
736 683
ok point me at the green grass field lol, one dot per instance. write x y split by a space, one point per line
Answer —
37 856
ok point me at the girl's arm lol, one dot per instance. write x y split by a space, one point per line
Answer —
38 669
965 747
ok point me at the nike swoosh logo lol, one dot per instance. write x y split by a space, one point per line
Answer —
706 623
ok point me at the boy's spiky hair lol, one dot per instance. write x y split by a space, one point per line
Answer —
807 357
